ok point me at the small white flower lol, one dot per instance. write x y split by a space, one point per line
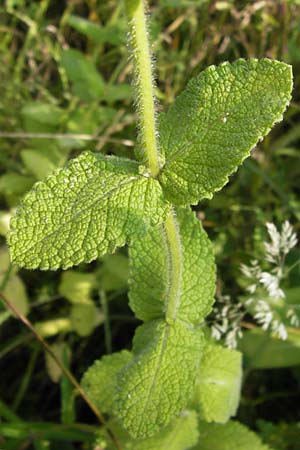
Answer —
264 314
293 318
271 283
279 329
288 237
252 288
272 248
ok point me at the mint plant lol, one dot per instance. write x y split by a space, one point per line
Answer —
174 374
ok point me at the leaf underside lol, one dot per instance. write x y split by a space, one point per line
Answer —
83 211
213 125
159 380
150 274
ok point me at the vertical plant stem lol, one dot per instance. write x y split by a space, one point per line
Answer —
175 266
144 83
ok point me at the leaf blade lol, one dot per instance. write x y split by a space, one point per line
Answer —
83 211
230 436
150 271
213 125
218 387
100 378
158 382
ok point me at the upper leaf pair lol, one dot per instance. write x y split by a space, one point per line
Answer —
96 204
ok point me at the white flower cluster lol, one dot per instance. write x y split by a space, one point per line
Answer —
275 253
228 316
281 243
227 321
270 281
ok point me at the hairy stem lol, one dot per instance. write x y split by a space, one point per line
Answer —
174 266
144 84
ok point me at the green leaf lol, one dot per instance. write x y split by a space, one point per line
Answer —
231 436
150 274
158 382
77 286
181 434
5 217
283 435
67 393
13 186
83 211
213 125
49 328
113 34
52 368
39 116
38 164
88 84
14 289
218 387
113 274
104 438
100 379
46 430
84 318
263 351
115 92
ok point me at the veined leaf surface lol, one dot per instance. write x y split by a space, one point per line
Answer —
83 211
213 125
99 381
151 271
181 433
158 382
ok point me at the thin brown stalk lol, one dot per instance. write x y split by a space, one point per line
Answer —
64 370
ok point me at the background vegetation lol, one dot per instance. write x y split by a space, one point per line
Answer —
64 72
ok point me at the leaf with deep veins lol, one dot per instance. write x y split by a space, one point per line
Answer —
181 434
213 125
83 211
173 263
158 382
